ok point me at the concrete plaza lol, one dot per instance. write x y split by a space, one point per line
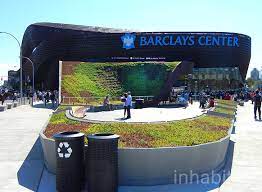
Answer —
21 159
22 169
148 115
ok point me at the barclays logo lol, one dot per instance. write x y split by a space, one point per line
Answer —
128 41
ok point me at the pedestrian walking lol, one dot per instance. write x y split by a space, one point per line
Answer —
123 99
257 104
202 100
191 98
47 97
56 97
52 98
129 104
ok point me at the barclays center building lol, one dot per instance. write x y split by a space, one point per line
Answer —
219 59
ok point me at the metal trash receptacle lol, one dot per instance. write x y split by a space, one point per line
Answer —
139 104
102 162
69 161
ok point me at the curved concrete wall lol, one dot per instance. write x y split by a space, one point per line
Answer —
164 165
156 166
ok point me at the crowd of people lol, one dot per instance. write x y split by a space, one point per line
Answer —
44 96
47 96
206 98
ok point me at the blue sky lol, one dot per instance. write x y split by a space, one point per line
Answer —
143 15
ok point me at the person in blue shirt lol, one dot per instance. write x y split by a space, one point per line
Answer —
128 103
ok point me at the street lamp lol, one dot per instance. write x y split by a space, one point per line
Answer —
33 76
21 74
195 90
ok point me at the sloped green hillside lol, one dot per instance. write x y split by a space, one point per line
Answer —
99 79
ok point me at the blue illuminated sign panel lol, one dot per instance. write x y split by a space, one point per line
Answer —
179 40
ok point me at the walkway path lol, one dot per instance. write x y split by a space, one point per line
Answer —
21 161
246 172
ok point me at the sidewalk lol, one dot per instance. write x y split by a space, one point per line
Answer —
21 162
246 172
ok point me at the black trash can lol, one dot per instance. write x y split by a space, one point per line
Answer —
69 161
102 162
139 103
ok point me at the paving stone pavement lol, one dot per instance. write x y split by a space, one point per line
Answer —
246 171
21 161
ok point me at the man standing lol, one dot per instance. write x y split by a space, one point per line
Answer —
257 105
129 104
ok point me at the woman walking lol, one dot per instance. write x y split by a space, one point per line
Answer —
124 99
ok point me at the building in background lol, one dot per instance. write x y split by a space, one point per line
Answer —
217 78
13 79
255 74
5 83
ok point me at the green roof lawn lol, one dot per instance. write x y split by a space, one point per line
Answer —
187 132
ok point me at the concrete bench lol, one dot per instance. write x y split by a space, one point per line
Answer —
15 104
2 108
241 103
104 108
9 105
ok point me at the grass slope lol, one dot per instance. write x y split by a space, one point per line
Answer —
100 79
178 133
226 107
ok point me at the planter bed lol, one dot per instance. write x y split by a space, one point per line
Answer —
153 154
155 166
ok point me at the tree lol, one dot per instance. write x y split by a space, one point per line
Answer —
250 82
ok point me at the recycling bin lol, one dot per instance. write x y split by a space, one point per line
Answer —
102 162
69 161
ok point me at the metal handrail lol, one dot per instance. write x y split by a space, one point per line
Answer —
83 100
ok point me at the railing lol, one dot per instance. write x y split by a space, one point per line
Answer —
98 100
23 101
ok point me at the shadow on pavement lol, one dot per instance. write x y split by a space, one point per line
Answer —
226 172
30 173
43 106
121 119
234 129
205 184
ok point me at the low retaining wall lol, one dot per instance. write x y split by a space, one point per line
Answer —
2 108
156 166
104 108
